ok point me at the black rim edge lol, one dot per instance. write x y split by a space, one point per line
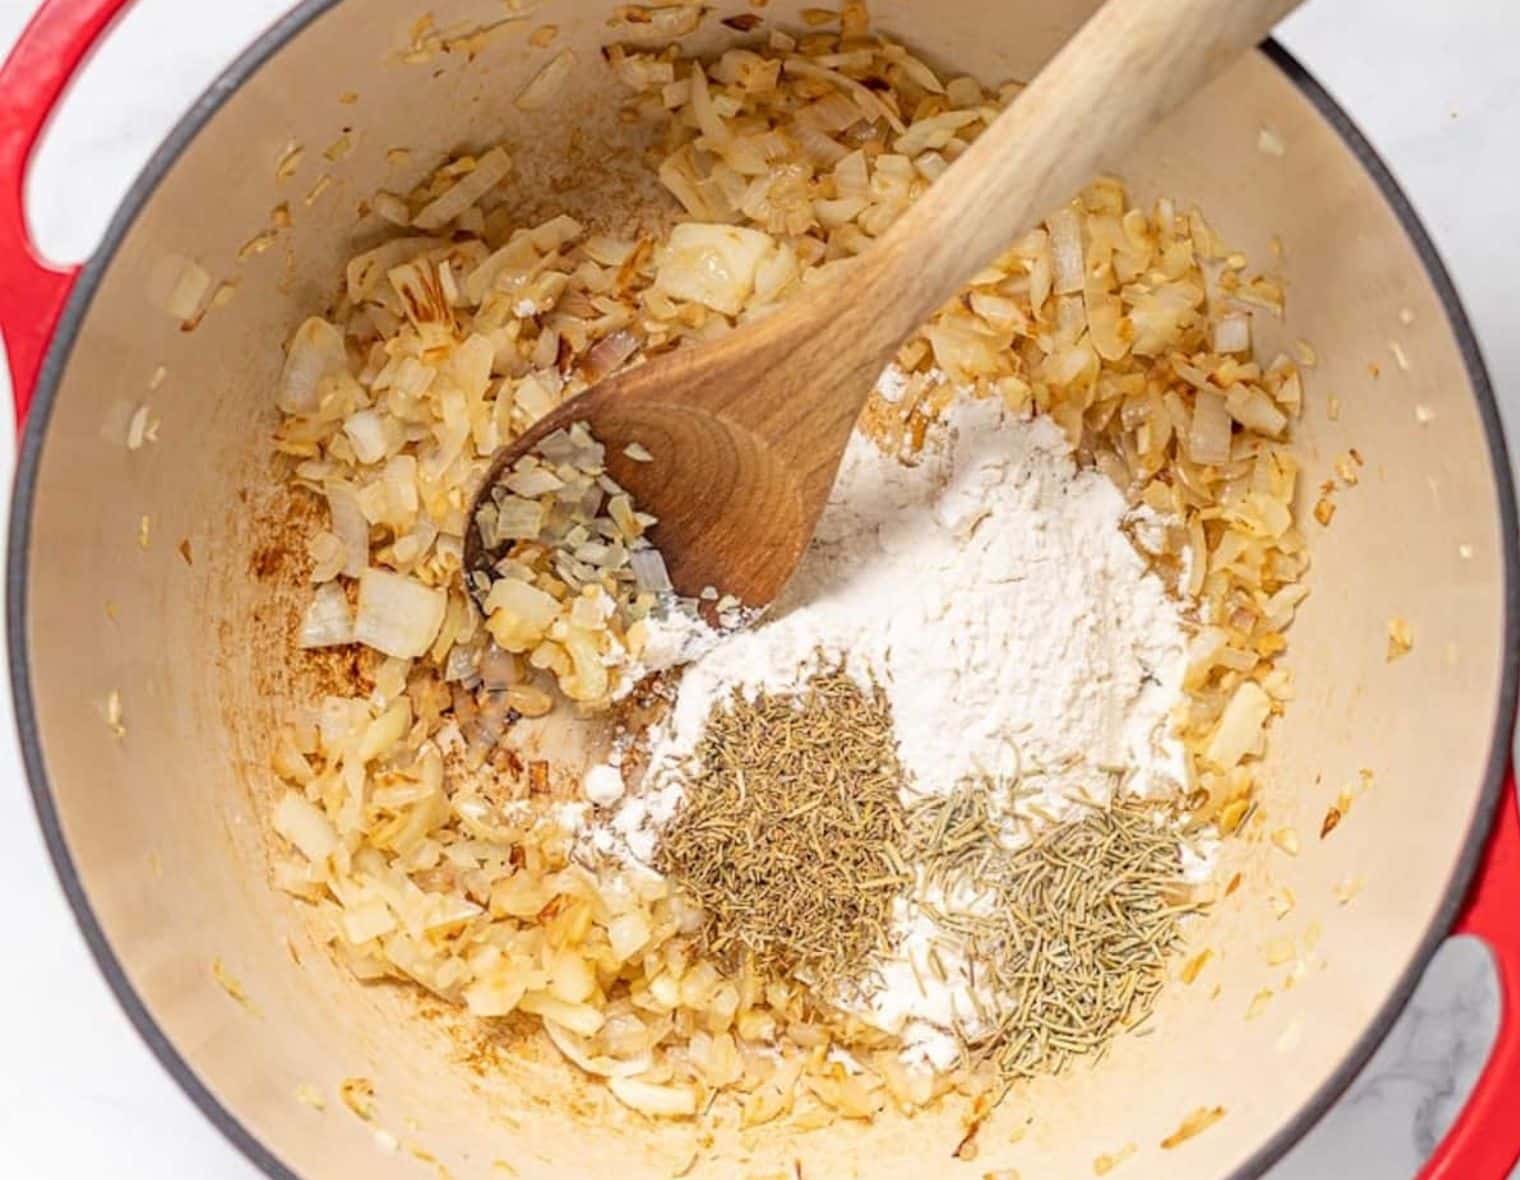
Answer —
18 546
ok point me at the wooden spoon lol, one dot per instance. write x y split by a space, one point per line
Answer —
747 432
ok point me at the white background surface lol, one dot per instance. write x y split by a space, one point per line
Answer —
1436 86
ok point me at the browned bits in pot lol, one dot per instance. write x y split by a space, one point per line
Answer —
1195 1124
1107 1162
358 1094
1194 965
1347 888
289 162
229 984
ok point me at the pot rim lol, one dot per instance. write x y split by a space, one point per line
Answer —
82 295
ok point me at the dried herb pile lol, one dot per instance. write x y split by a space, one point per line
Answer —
790 834
794 841
1070 945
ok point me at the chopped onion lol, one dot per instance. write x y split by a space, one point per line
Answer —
535 396
608 354
518 614
1254 409
366 431
398 615
650 572
1107 326
498 269
713 265
417 285
538 93
392 208
582 1019
1160 315
931 165
366 271
518 520
535 481
349 525
608 251
460 664
556 233
138 431
1066 250
489 170
935 132
1282 606
655 1101
1232 333
818 145
410 548
588 454
589 681
327 556
300 822
557 447
1240 726
639 71
628 933
328 621
1209 438
498 669
367 920
659 26
573 1047
316 352
709 123
1203 651
186 286
866 98
832 113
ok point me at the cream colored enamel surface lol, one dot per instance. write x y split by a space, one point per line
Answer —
166 823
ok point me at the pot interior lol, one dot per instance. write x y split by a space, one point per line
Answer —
166 825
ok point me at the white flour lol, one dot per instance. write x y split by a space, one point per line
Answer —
991 594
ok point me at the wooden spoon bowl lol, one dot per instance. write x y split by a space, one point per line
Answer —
726 498
747 432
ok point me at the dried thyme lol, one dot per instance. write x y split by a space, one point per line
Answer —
790 837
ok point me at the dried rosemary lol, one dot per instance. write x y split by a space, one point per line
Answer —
1070 933
791 831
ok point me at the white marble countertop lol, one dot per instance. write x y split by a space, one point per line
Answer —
1437 89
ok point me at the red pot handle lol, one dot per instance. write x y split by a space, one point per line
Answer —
32 78
1484 1142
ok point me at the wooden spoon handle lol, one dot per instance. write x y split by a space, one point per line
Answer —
1124 70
